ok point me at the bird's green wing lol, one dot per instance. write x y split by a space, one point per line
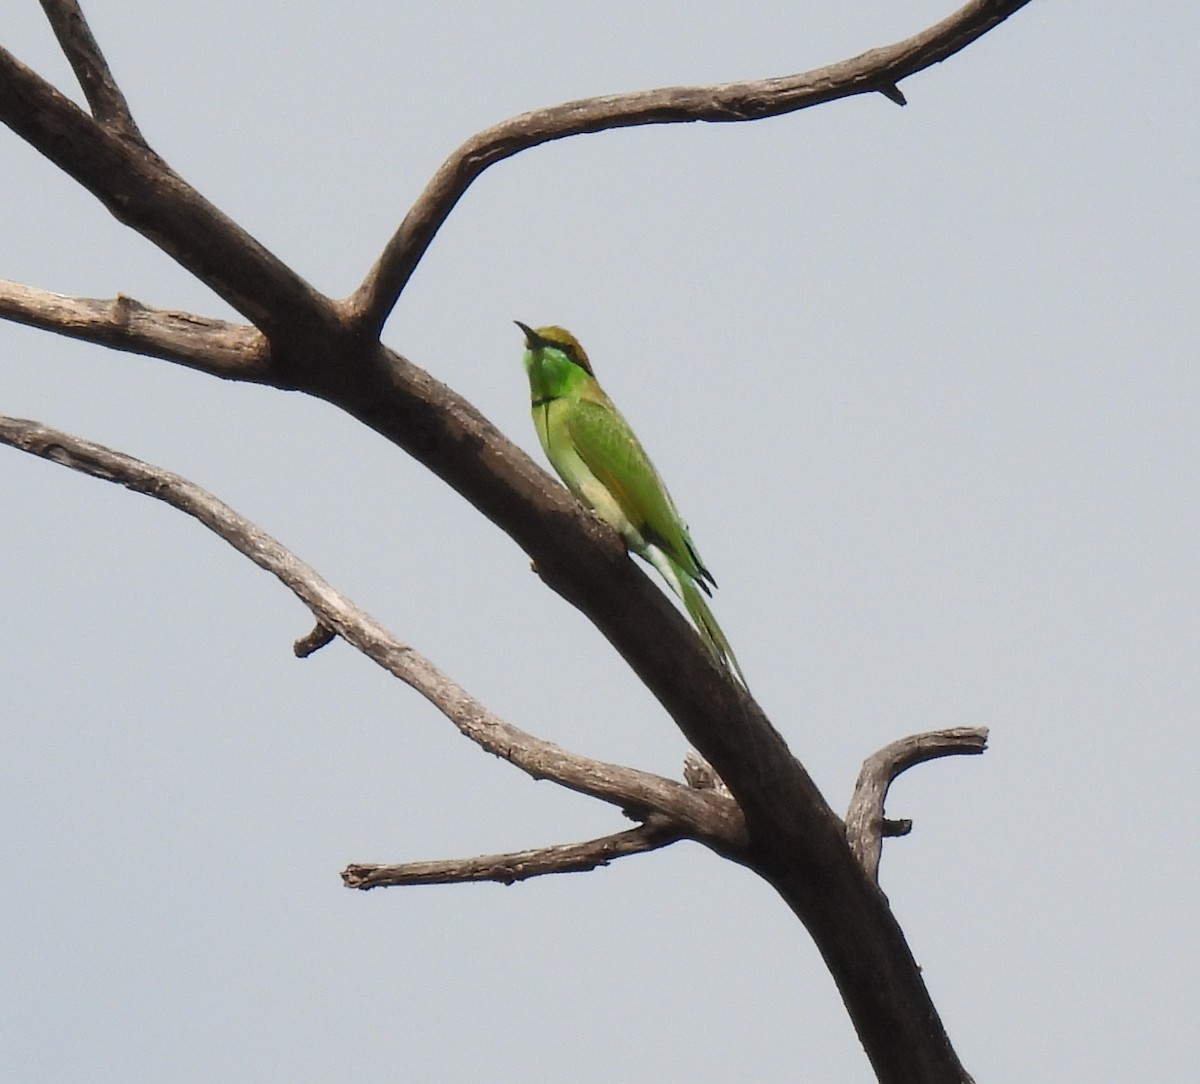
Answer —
611 451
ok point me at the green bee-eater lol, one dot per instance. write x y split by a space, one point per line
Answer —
597 455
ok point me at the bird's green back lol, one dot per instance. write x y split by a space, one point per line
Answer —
597 455
609 447
580 427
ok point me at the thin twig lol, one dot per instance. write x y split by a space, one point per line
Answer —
865 823
107 102
878 70
321 636
520 866
705 816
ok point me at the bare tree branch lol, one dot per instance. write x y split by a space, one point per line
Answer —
785 830
706 816
91 69
142 192
865 823
876 71
508 868
232 351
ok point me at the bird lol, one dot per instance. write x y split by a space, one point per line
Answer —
596 454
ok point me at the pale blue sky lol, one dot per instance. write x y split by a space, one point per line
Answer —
924 382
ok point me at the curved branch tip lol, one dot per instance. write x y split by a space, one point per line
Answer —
866 826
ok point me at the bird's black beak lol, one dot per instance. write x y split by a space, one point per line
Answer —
532 339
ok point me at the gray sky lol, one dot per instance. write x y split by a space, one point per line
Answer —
924 383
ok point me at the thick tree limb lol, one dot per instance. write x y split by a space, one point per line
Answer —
508 868
707 817
231 351
876 71
798 843
865 823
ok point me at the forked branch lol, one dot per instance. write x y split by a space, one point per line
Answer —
141 191
106 153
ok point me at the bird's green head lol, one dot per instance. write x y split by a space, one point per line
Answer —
556 338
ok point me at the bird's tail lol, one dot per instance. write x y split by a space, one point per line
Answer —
702 617
710 632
